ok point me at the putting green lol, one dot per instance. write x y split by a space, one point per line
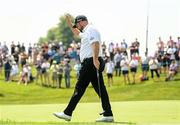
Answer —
138 112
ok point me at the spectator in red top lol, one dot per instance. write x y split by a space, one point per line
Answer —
160 45
170 42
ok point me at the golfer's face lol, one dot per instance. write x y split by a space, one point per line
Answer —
79 26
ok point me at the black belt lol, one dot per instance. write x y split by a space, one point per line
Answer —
89 59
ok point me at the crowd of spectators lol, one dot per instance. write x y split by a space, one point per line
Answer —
165 60
54 62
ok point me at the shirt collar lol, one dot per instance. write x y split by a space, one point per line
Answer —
85 28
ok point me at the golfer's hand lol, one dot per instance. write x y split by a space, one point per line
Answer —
96 63
69 23
69 20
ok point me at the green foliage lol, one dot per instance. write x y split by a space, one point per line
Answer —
42 40
60 33
52 34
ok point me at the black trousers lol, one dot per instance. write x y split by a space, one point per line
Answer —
88 73
152 73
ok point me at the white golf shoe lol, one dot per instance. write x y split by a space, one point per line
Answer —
61 115
105 119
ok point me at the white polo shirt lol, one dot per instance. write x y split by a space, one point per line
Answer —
89 36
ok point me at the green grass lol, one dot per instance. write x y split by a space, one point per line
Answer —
128 112
11 93
131 104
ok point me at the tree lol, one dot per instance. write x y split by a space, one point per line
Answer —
60 33
42 40
51 35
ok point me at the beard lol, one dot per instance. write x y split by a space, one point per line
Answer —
81 28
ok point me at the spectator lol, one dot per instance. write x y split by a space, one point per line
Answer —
136 45
103 46
45 72
59 75
12 48
23 57
133 67
160 45
144 67
125 70
30 52
124 47
1 64
170 42
172 71
57 57
24 75
117 61
54 69
14 70
77 68
7 69
23 49
111 50
153 64
39 72
30 76
67 70
109 71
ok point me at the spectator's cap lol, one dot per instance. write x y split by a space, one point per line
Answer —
54 62
78 19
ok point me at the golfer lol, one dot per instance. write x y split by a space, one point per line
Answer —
91 61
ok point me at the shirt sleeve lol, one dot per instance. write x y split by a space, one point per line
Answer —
94 36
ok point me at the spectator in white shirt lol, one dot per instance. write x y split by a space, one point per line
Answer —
111 50
77 68
109 71
125 69
144 67
14 70
54 69
153 65
117 60
133 67
45 73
